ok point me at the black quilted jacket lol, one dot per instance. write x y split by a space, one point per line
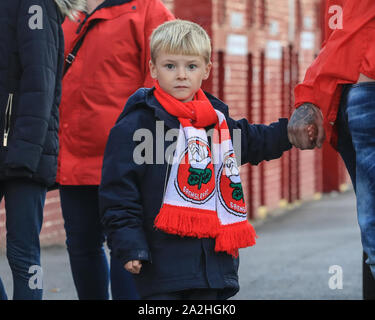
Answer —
31 62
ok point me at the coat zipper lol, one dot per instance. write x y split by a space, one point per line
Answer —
8 114
165 180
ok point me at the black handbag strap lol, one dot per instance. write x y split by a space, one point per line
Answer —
72 55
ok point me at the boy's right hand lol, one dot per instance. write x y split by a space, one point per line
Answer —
133 266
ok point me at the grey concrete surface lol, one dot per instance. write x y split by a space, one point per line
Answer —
291 259
294 252
57 279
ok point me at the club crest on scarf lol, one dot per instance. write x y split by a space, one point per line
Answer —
195 177
230 188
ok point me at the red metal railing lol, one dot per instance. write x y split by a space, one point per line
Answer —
250 79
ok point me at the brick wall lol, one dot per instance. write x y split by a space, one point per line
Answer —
52 230
239 28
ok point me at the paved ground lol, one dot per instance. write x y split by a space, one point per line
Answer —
295 251
290 261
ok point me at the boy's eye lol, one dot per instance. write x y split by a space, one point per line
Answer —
169 66
192 66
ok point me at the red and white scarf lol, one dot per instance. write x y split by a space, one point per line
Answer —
204 197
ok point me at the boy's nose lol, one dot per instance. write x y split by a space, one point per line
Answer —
181 73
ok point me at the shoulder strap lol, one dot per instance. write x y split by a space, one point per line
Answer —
72 55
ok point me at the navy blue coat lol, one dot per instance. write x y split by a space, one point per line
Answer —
31 61
131 196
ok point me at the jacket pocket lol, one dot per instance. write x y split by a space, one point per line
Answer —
8 115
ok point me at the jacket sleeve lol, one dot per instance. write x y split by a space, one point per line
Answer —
120 196
156 14
38 55
258 142
340 59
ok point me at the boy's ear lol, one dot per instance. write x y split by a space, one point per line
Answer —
152 70
207 70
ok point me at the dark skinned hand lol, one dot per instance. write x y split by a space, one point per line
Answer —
305 127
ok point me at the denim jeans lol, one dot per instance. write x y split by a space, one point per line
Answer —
24 203
85 239
356 144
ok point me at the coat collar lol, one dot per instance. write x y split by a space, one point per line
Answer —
160 112
145 97
110 9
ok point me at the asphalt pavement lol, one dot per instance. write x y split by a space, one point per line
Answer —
296 252
310 252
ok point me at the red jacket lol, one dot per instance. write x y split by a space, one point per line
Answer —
347 51
111 64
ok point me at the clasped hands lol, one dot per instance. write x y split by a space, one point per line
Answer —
305 127
305 131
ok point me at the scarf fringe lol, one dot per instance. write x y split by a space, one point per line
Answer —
190 222
234 236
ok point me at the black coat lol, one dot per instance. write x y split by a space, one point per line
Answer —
131 196
31 61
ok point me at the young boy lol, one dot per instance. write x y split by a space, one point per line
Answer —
177 226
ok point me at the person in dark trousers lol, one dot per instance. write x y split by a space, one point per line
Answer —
109 65
31 61
337 97
174 211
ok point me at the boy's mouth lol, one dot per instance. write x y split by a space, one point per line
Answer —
181 87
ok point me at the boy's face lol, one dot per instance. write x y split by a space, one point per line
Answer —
179 75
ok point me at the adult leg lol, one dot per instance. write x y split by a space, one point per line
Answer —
346 149
344 144
24 203
368 281
84 241
361 115
3 295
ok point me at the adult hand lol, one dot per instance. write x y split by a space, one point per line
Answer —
305 127
133 266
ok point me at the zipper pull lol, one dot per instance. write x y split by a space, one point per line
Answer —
5 140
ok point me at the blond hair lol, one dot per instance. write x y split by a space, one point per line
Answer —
181 37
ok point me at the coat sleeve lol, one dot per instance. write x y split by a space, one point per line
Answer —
38 55
340 59
120 198
156 14
258 142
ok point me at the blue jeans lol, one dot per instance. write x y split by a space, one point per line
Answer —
24 203
356 144
84 240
